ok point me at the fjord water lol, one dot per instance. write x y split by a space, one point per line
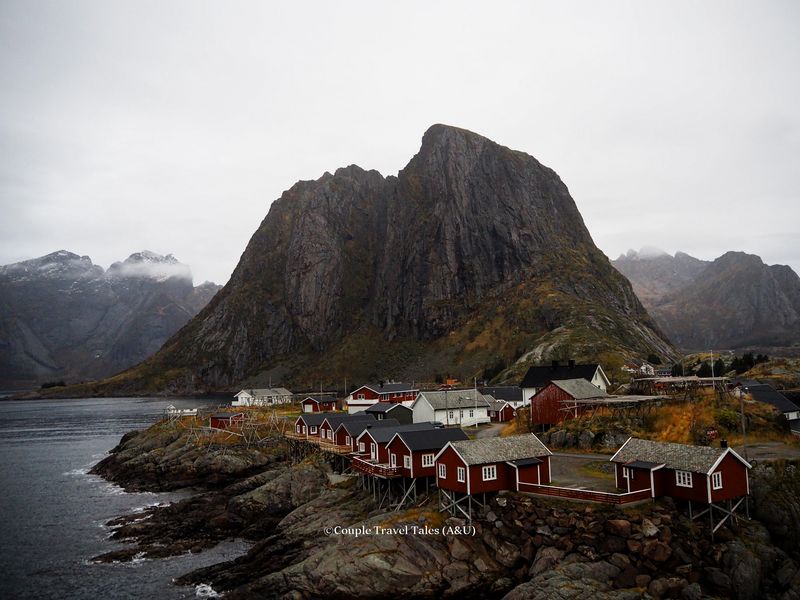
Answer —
52 512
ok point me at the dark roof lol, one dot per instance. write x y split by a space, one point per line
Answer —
320 399
509 393
489 450
431 439
335 419
315 418
354 427
526 462
766 393
381 435
642 464
698 459
384 407
538 377
390 387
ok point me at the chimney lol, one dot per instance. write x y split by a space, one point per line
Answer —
555 364
571 363
723 443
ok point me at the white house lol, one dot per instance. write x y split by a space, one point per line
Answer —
262 397
538 377
451 407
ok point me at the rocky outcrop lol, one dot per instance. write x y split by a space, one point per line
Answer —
64 318
735 301
473 251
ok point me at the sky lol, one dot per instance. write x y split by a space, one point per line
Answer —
172 126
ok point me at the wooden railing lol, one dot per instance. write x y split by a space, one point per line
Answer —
591 495
371 468
291 433
329 446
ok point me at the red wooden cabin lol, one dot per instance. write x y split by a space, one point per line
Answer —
555 402
696 473
501 411
492 464
372 442
414 451
226 420
306 426
321 404
348 431
332 421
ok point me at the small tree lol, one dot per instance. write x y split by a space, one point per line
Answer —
719 367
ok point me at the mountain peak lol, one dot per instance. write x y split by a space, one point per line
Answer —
150 265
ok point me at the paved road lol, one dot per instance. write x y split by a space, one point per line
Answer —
492 430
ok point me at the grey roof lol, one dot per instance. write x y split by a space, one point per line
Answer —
382 435
431 439
683 457
509 393
526 462
489 450
496 405
764 392
455 399
384 407
580 389
267 391
355 427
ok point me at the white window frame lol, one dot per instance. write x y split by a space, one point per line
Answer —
348 440
683 479
360 397
304 429
461 474
716 480
313 429
442 471
299 427
407 461
489 472
361 447
626 473
451 414
330 434
471 412
427 460
392 460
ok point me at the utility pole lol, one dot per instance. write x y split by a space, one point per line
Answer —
744 428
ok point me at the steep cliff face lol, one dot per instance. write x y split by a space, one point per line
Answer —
471 253
737 301
62 317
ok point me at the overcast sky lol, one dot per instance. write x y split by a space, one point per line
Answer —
172 126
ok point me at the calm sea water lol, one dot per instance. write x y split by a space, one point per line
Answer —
52 513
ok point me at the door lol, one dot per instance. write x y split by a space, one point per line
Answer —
393 460
373 451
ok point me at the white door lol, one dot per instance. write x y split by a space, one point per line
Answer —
373 451
393 460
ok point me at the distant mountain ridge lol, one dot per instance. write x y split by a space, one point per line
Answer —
474 254
735 301
63 317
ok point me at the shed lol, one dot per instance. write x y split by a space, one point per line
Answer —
319 404
226 420
554 403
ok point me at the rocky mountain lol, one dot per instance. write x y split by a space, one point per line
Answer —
655 274
473 253
64 318
736 301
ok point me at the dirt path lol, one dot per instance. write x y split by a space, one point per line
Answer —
492 430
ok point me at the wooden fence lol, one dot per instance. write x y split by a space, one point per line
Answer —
590 495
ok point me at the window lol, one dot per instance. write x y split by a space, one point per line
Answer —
471 412
626 473
298 429
716 480
407 462
304 429
393 460
330 434
427 460
451 414
489 473
360 396
313 429
683 478
461 414
348 440
361 447
442 471
461 473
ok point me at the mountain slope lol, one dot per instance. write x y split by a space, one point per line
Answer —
737 301
473 253
62 317
656 274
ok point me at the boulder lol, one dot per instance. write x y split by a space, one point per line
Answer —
620 527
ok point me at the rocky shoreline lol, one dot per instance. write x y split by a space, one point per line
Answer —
522 546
